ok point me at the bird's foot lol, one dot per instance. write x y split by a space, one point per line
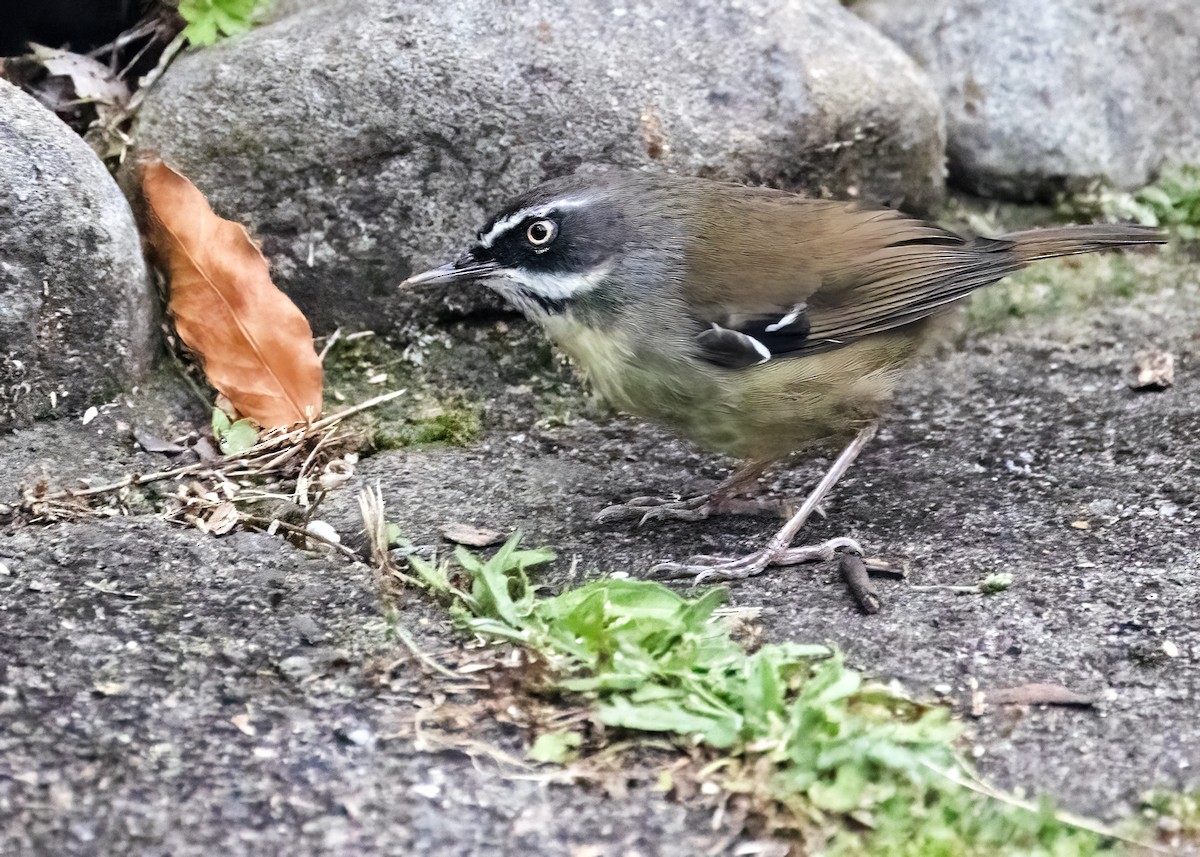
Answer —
692 509
658 508
707 569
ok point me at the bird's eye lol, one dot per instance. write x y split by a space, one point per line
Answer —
540 233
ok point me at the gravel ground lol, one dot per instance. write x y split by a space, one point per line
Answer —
167 692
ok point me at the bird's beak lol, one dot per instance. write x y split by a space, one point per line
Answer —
469 266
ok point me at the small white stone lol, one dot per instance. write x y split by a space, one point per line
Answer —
1170 649
90 414
322 530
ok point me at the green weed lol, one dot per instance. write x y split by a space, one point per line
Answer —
857 767
209 20
1175 815
233 437
1172 201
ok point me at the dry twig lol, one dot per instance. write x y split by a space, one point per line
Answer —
265 458
854 572
370 502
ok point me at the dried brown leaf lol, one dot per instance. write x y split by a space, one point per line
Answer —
223 519
474 537
1153 370
1038 693
256 346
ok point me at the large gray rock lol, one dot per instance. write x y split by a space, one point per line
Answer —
76 303
364 140
1048 95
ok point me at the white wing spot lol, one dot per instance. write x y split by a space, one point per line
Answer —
760 348
788 319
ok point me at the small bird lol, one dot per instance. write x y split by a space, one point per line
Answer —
752 321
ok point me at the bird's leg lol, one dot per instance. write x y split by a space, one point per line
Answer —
715 502
778 550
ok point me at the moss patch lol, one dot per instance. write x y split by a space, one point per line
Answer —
456 424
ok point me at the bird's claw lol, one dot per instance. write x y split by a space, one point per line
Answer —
706 568
619 512
636 507
679 513
647 509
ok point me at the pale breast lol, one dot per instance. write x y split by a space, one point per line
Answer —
762 412
605 357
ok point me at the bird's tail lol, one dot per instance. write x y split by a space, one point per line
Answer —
1048 243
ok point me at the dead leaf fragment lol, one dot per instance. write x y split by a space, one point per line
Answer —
337 472
1153 370
93 80
472 537
653 136
256 346
206 449
223 519
243 724
1037 693
153 443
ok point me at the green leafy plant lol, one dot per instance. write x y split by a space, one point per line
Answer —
558 747
209 20
1172 201
858 766
233 437
1176 816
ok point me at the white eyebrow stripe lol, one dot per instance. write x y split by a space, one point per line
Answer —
796 312
506 223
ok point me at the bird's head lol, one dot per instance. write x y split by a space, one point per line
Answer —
558 244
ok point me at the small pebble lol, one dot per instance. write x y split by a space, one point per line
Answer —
322 530
427 790
296 667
